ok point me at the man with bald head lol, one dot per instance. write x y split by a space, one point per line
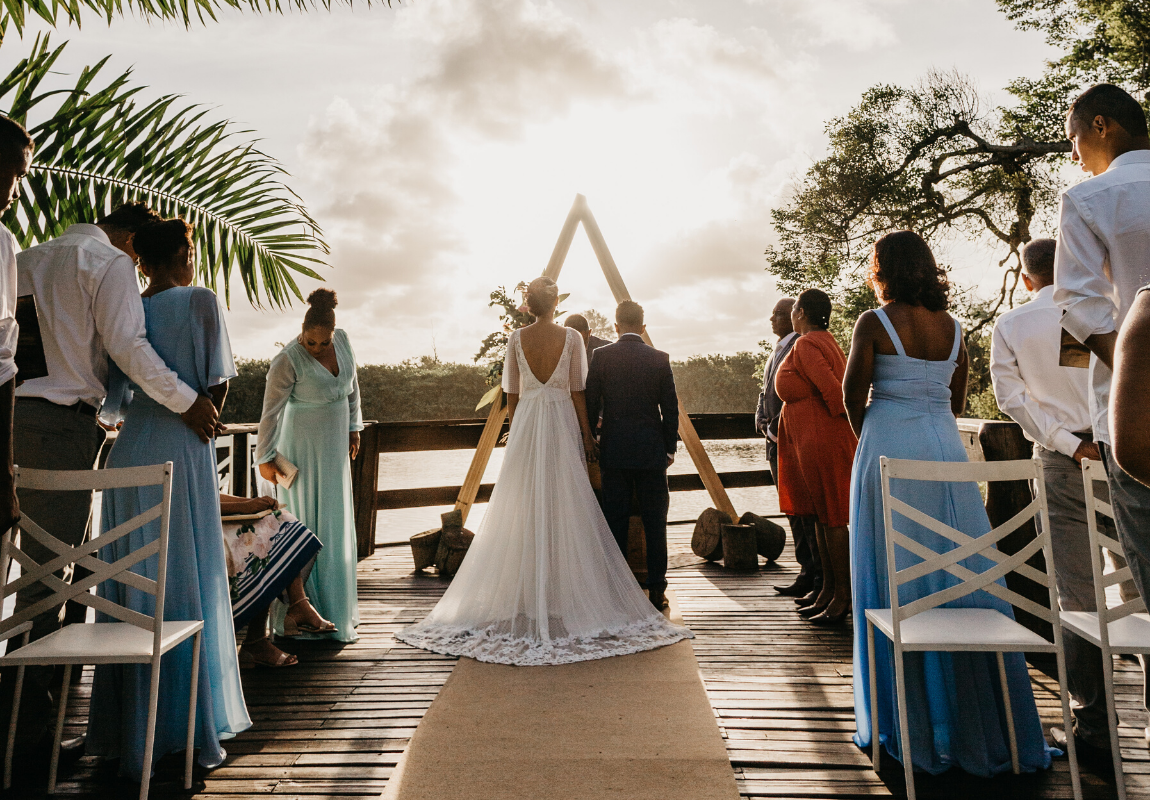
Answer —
590 340
767 423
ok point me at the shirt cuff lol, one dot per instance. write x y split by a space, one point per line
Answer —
183 399
1066 443
1089 316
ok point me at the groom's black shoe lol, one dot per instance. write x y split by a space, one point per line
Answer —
659 600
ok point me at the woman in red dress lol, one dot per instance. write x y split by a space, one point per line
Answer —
817 449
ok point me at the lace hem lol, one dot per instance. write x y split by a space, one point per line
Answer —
487 644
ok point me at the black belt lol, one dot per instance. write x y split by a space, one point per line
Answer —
1086 436
80 407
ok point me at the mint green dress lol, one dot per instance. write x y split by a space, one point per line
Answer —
307 415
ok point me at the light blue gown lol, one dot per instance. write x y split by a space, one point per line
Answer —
954 701
307 415
186 327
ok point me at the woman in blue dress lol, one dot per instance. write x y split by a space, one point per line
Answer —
185 325
311 417
912 353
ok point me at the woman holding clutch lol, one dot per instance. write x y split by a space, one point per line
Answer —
311 420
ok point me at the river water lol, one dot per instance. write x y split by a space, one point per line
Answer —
449 467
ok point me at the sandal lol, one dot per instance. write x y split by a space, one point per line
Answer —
294 628
249 661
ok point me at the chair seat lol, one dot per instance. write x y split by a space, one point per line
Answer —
961 629
1127 635
100 643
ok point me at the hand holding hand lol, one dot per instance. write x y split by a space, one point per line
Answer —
1087 450
591 447
270 473
353 444
202 418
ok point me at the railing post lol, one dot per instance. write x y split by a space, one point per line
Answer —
364 485
241 465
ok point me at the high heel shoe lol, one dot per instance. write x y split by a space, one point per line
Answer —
295 628
807 599
826 620
811 610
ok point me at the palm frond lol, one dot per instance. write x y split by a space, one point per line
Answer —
98 145
56 12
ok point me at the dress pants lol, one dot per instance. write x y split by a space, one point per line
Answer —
649 487
48 436
1070 541
802 533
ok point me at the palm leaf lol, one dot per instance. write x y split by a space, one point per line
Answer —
98 146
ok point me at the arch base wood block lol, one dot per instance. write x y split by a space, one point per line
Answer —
707 540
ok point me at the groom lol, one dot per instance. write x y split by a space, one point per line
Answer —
631 383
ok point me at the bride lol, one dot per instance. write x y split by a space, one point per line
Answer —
544 581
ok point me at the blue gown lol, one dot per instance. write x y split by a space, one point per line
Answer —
185 325
307 415
954 702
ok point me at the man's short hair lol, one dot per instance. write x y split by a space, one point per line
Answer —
15 142
578 322
629 314
1112 102
130 217
1038 258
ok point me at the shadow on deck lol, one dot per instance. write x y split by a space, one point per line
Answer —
781 690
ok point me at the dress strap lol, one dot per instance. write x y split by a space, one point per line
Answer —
886 323
957 341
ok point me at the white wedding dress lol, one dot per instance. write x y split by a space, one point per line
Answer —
543 581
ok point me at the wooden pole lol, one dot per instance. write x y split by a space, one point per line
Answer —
687 431
365 489
566 235
487 441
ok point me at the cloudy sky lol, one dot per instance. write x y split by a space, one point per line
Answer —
440 143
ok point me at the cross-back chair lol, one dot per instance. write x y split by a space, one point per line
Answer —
922 625
1122 629
137 639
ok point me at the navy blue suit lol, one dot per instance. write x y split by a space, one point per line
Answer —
631 383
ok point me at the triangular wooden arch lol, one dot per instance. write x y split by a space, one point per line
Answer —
581 212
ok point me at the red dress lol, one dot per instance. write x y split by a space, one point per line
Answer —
816 443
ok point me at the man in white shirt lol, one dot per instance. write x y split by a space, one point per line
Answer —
767 415
1051 403
90 313
1103 259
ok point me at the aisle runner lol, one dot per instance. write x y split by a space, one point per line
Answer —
635 727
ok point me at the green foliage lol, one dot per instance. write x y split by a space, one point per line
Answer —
600 326
493 349
719 383
97 147
245 400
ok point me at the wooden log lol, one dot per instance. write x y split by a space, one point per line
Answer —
452 549
487 442
451 520
707 540
771 537
424 548
740 547
364 485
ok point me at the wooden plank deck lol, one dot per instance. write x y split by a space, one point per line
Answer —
335 725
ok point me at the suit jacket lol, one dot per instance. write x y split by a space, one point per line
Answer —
770 408
631 383
593 344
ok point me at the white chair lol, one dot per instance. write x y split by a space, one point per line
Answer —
139 639
1127 626
921 626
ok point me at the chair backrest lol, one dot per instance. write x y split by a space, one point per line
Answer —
86 555
1092 472
964 545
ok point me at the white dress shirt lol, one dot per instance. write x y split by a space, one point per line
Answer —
1050 402
88 302
9 330
1103 258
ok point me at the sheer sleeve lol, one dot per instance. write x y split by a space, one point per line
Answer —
511 365
214 362
281 380
578 377
355 410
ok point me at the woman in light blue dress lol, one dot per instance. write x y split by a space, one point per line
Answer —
911 352
185 325
311 417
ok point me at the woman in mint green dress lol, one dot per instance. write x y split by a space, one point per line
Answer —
311 417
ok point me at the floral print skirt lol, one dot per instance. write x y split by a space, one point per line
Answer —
264 555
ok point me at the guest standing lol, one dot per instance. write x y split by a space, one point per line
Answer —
816 447
185 325
1051 404
90 314
767 416
590 341
910 358
312 418
1103 259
